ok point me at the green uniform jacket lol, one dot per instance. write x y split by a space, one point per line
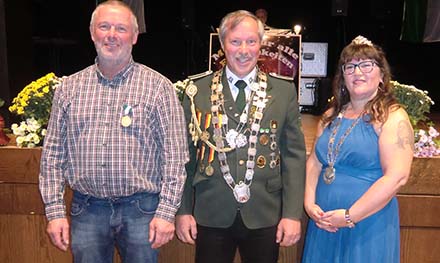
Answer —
274 193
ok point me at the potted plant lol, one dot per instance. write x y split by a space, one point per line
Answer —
33 105
417 104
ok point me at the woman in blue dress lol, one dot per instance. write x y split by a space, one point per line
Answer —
361 157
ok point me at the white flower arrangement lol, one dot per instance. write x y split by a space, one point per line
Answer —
33 105
29 133
426 144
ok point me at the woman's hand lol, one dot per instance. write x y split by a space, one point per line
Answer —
321 219
336 218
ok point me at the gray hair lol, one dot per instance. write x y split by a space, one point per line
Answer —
120 4
231 20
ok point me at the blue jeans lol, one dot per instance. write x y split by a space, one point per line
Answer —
97 225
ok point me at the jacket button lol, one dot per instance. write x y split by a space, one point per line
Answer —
241 162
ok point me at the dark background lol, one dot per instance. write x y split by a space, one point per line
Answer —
52 36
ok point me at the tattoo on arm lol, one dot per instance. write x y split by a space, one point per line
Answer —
405 136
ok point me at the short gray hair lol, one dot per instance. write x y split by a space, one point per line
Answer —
231 20
116 3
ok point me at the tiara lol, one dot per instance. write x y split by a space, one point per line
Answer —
360 40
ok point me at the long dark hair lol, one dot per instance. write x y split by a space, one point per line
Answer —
377 108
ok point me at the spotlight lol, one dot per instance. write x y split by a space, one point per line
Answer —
297 29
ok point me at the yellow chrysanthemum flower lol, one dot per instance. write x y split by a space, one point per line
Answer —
35 100
33 105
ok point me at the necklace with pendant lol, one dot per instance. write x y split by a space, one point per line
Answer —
333 151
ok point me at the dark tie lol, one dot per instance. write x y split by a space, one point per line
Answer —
240 102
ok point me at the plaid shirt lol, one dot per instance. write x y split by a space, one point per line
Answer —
88 148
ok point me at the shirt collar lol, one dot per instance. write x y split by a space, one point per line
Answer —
232 78
120 76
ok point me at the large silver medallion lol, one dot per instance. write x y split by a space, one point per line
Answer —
242 192
231 136
241 140
329 175
235 139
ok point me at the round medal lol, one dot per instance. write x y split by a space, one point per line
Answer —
261 161
209 170
264 139
125 121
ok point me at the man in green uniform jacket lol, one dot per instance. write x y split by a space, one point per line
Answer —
245 180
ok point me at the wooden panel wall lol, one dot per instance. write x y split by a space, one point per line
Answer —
22 222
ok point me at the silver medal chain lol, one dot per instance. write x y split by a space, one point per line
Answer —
333 151
241 190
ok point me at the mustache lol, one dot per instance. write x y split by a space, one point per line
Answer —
243 57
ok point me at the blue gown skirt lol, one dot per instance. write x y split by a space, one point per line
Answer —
374 239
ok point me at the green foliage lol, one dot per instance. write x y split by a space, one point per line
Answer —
417 103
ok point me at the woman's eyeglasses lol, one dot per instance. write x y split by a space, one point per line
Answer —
364 66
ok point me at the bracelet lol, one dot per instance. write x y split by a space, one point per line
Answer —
348 220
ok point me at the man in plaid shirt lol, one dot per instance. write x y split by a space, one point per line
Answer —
117 137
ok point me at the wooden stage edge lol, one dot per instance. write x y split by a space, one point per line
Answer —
22 220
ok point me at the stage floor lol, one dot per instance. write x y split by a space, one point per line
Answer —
309 123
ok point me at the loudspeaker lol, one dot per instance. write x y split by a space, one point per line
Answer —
314 59
339 7
314 95
308 88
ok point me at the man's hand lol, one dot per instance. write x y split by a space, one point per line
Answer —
186 228
161 232
58 230
288 232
